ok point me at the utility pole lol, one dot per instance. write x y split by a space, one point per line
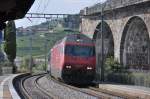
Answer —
45 49
46 42
102 44
30 64
45 53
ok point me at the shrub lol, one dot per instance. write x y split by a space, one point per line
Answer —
116 73
25 64
5 64
112 66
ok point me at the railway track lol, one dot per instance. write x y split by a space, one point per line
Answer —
96 93
87 91
43 86
28 88
113 93
44 91
100 92
17 82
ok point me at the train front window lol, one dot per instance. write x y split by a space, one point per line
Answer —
76 50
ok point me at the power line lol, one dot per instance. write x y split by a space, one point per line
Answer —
39 5
46 5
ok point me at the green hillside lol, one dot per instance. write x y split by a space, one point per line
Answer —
38 43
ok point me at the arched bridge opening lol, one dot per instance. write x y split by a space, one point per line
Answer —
135 48
108 44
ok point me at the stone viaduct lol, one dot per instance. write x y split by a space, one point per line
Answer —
126 30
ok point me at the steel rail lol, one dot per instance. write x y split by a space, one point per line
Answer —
43 90
22 88
118 94
24 94
82 91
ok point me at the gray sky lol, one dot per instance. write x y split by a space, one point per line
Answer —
57 7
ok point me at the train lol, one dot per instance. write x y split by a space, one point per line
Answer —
72 59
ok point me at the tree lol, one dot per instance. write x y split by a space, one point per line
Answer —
10 42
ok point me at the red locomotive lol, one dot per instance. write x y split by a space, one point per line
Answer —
73 59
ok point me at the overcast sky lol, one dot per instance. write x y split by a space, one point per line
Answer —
57 7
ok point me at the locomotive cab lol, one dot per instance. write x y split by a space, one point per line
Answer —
79 67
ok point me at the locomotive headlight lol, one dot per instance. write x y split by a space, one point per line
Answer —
89 68
68 67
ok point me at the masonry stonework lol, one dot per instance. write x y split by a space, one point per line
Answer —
118 19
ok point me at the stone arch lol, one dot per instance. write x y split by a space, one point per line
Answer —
108 42
134 47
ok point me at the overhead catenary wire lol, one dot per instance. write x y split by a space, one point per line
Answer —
45 5
38 9
39 5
